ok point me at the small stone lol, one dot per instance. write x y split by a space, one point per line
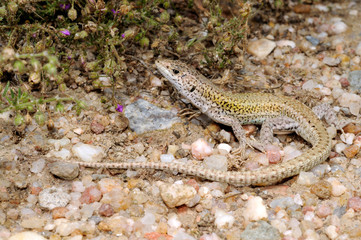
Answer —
338 27
88 153
358 49
97 127
340 147
51 198
337 188
347 138
306 178
139 147
331 232
63 170
260 230
261 48
90 195
323 210
167 158
201 149
59 212
216 162
302 8
37 166
332 62
106 210
172 149
351 151
225 147
26 236
175 195
354 203
223 219
322 189
314 41
255 209
352 128
354 78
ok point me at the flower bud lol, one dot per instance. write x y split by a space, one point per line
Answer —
109 66
18 120
53 60
164 17
178 19
80 35
34 77
72 14
35 64
50 68
39 118
19 66
12 7
2 12
144 42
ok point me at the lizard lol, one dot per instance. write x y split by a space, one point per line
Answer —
271 111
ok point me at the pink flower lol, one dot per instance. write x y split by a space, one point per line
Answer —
65 32
119 108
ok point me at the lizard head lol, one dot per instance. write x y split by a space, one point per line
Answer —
183 77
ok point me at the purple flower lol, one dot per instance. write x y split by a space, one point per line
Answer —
115 12
119 108
65 32
64 6
123 35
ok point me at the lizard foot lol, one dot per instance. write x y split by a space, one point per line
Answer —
189 113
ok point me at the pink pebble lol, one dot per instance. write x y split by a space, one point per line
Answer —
354 203
90 195
201 149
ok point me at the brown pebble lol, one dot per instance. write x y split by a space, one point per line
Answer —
59 212
322 189
96 127
193 183
352 128
344 82
351 151
354 203
106 210
302 8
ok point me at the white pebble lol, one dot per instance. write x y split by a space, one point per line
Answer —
59 143
223 219
26 236
338 27
174 222
352 101
166 158
347 138
339 147
224 146
261 48
353 12
37 166
139 147
337 188
63 154
217 162
290 153
306 178
255 209
286 43
87 152
331 232
225 136
201 149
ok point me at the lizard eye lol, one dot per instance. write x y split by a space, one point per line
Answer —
175 71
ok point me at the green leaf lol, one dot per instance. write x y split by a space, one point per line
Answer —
6 88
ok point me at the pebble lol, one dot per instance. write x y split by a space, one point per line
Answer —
63 170
322 189
97 127
358 49
51 198
216 162
37 166
91 194
332 62
354 203
224 146
144 116
223 219
314 41
201 149
337 28
166 158
59 143
88 153
27 236
306 178
175 195
354 78
260 230
261 48
331 232
347 138
340 147
255 209
351 151
337 188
